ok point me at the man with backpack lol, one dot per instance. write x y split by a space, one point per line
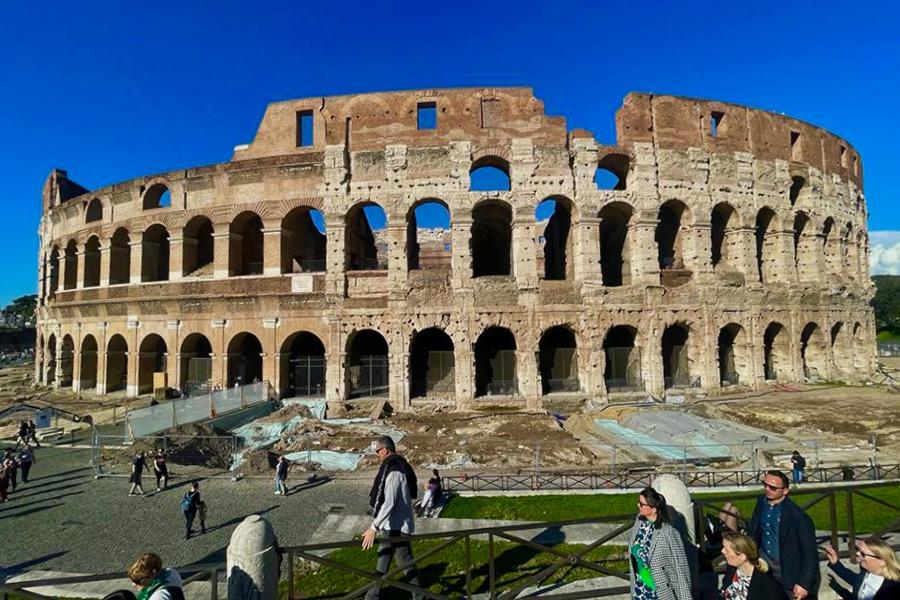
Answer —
281 473
190 504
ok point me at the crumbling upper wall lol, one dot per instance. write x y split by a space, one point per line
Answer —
674 122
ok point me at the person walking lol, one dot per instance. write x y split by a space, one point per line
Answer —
798 466
32 433
190 503
160 470
4 481
153 581
879 576
281 473
26 459
22 436
658 565
746 576
786 536
138 464
391 499
13 466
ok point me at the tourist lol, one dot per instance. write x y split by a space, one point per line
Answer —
747 576
160 470
26 459
137 469
786 538
32 433
23 435
190 504
391 500
658 565
9 457
798 465
281 473
879 576
4 481
153 581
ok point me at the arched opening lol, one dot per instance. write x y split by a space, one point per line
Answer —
303 366
155 254
554 220
675 356
365 244
495 363
244 360
157 196
491 239
303 241
766 245
615 245
848 249
805 253
66 362
432 367
842 348
860 352
861 250
558 361
197 256
623 360
50 376
831 248
70 275
813 352
612 172
367 364
92 262
195 370
798 188
732 354
726 248
489 174
119 257
151 360
40 356
245 247
776 353
87 376
53 277
116 364
428 239
94 211
671 231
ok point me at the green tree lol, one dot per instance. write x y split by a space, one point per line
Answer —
887 302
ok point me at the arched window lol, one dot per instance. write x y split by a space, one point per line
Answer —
622 372
67 361
152 360
491 239
554 221
489 174
303 241
94 211
53 277
495 363
50 376
766 245
675 356
198 254
116 364
87 376
244 359
196 365
805 252
798 189
428 241
432 370
365 244
119 257
612 172
726 250
92 262
733 354
558 361
367 364
245 249
615 245
671 231
303 366
157 196
776 353
155 254
813 352
70 281
831 248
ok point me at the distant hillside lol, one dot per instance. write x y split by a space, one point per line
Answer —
887 305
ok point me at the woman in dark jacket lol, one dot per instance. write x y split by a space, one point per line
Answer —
879 576
747 575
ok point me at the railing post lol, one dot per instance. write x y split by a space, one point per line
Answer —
851 526
832 514
468 568
252 557
213 584
290 575
491 576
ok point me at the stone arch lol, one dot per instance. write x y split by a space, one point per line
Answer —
612 171
195 370
676 356
831 248
805 249
244 359
302 366
766 235
50 376
116 363
155 253
53 277
362 250
94 211
428 247
776 352
302 241
92 262
489 173
861 251
495 363
842 348
432 364
860 350
558 360
615 244
70 274
198 251
152 358
87 374
799 191
66 361
556 252
622 371
733 353
119 257
157 196
672 229
245 245
367 372
813 352
492 252
726 251
848 250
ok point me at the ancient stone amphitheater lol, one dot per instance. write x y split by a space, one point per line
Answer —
460 245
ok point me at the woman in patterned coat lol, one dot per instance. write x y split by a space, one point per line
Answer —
659 567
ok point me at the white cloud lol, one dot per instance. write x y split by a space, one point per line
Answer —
885 252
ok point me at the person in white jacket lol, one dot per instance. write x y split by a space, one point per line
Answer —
391 499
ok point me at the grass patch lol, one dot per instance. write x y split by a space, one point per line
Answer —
445 572
888 335
869 516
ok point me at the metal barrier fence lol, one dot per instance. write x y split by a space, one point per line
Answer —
153 419
187 457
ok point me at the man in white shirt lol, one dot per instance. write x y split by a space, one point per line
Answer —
391 500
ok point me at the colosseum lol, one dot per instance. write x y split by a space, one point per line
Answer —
461 246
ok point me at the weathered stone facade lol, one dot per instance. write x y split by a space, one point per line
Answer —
731 250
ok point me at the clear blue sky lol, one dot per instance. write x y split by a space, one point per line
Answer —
114 90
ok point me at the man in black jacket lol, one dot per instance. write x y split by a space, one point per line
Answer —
786 538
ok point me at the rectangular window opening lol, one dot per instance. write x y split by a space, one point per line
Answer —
715 123
795 145
304 128
426 115
844 156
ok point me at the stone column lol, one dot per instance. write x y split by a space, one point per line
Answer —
756 348
463 359
586 247
271 368
746 259
104 264
529 379
397 261
699 258
524 265
221 247
58 374
651 361
334 363
272 248
76 359
62 270
137 254
79 269
335 278
176 255
398 378
644 253
461 257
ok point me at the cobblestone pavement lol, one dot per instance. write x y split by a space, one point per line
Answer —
65 520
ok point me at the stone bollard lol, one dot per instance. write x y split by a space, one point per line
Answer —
253 561
681 514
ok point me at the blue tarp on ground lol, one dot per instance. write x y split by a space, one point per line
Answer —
316 406
327 459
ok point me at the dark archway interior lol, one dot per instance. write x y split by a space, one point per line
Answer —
116 364
155 254
764 235
774 347
92 262
495 363
727 368
669 236
558 361
623 366
362 251
67 362
87 377
615 266
431 364
367 365
305 366
676 370
302 244
557 241
152 360
94 211
119 258
244 360
198 253
245 251
70 275
51 359
196 365
491 239
157 196
721 223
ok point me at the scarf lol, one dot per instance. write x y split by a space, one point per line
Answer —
161 580
394 462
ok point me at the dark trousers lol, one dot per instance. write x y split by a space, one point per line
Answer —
386 551
162 476
26 467
189 522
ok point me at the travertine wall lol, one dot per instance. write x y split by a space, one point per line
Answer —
741 231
